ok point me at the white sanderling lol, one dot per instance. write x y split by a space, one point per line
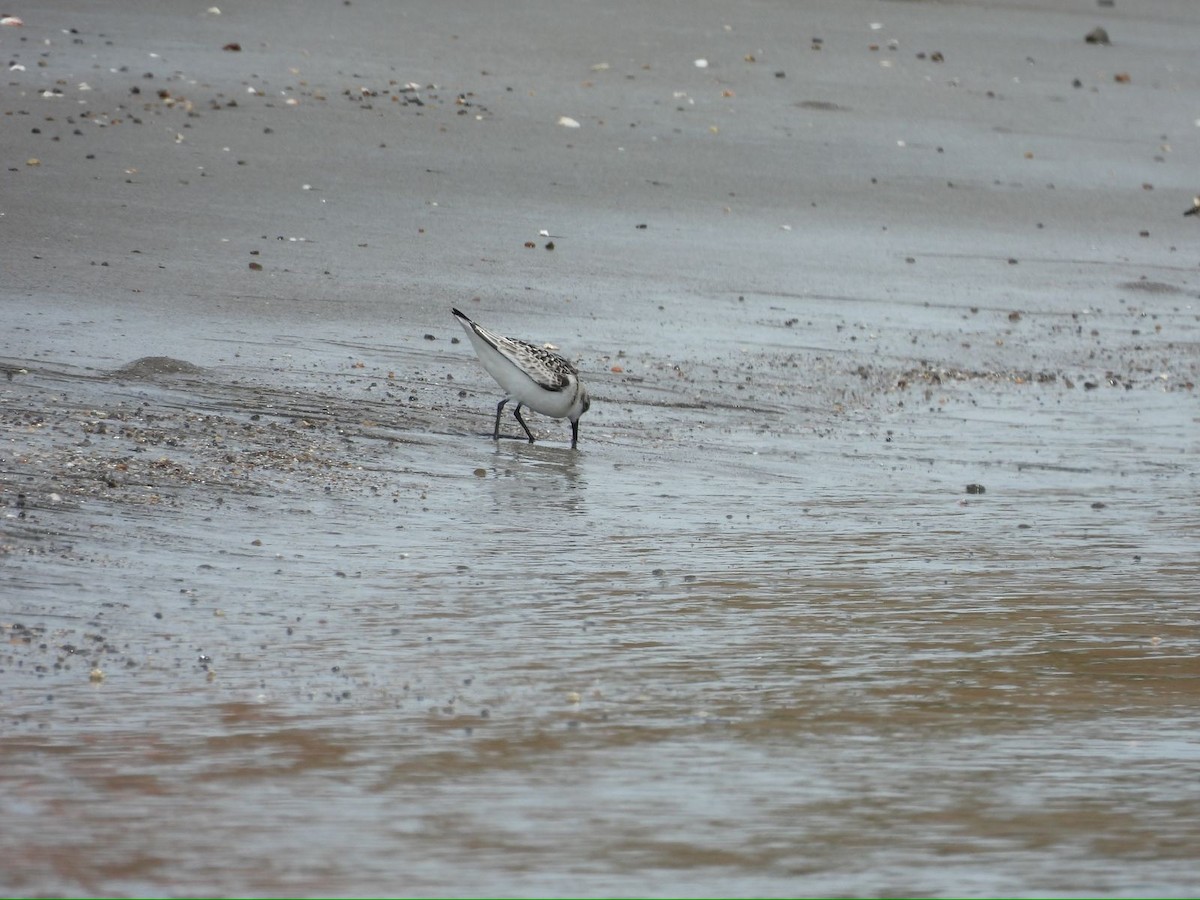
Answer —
531 375
1195 207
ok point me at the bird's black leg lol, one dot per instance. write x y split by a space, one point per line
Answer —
517 413
496 430
574 433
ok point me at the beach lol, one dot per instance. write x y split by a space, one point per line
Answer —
873 573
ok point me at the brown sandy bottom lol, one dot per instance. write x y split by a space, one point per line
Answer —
875 570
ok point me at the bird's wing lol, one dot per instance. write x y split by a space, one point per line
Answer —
547 369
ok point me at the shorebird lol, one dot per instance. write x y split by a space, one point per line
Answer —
531 375
1195 207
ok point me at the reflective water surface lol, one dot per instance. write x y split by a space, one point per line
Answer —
876 569
339 659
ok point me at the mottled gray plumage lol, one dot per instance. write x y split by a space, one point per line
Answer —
531 375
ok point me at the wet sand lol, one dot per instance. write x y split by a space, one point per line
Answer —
874 572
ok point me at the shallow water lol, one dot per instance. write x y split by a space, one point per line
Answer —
875 572
341 657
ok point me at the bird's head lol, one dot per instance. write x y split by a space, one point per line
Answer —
582 404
